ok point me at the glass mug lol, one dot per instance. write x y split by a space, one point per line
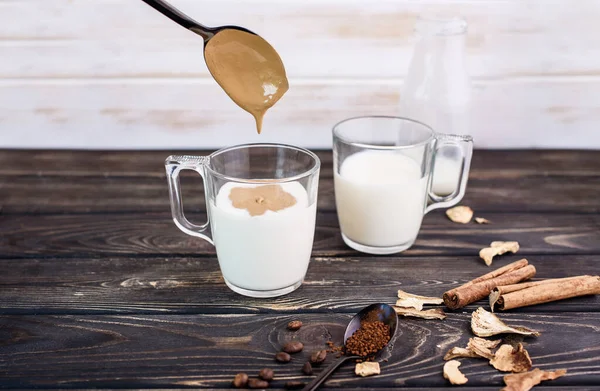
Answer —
261 202
383 175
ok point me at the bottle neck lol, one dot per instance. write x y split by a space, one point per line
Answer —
442 36
449 47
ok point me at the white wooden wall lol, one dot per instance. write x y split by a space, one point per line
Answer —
117 74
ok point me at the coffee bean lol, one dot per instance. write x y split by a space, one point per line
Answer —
294 325
266 374
240 380
307 369
257 383
292 385
283 357
318 357
293 347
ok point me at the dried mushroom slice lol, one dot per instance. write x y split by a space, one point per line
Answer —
460 214
509 359
482 347
367 368
486 324
527 380
497 248
452 373
481 220
477 347
409 300
487 343
435 313
457 352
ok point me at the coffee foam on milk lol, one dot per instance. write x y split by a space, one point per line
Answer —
256 200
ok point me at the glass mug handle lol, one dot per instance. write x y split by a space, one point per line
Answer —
465 145
174 165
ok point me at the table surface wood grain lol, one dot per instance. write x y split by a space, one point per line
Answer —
99 289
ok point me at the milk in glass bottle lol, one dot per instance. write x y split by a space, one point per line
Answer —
437 91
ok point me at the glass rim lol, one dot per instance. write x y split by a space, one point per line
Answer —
315 167
337 135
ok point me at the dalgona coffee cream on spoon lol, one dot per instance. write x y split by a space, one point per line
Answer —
248 69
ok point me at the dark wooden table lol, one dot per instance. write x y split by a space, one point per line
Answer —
98 288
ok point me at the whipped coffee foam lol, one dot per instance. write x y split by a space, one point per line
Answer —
225 201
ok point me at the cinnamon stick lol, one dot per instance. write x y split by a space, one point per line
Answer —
517 287
501 290
495 273
544 291
481 287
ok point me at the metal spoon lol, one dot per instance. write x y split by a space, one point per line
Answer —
382 312
182 19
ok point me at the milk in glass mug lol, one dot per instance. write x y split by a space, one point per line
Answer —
261 201
383 175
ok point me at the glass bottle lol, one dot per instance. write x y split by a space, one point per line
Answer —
437 91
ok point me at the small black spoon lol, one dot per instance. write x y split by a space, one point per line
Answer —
381 312
182 19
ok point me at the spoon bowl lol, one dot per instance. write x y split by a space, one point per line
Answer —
372 313
375 312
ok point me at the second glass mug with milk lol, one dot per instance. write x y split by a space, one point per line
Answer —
383 176
261 202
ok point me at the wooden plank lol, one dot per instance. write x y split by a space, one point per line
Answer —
154 234
567 194
350 38
196 113
538 388
516 164
78 163
191 285
30 194
208 350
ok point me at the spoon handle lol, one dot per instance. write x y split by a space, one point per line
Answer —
313 385
180 18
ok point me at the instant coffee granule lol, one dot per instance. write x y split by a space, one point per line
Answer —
368 339
338 350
